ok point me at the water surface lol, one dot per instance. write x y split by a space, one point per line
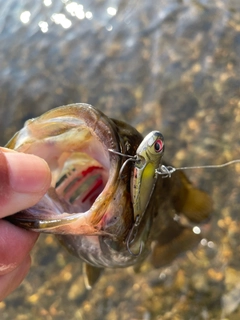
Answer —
172 66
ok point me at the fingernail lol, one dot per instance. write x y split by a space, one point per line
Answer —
27 173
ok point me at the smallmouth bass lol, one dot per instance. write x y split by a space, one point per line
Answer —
92 204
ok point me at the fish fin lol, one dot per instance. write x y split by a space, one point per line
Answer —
198 205
91 275
137 267
194 203
173 241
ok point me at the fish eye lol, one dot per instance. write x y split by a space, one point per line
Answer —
158 145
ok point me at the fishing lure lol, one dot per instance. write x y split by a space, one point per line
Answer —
146 163
148 158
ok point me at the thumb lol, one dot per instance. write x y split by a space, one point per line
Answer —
24 179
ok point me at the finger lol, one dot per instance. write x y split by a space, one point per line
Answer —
12 280
7 150
15 245
24 179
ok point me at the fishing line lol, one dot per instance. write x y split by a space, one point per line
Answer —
121 154
130 158
166 171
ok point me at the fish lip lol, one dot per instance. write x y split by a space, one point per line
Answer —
102 129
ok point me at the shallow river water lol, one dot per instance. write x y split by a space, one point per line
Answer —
172 66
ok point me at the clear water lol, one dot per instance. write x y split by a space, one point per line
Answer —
172 66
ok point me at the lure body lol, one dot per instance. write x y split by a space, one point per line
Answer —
148 159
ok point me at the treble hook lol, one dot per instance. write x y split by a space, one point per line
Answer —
130 158
134 158
120 154
129 240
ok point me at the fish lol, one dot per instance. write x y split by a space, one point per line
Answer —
107 211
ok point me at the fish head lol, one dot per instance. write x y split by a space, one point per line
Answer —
88 205
75 141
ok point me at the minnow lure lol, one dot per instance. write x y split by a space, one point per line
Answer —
148 158
143 179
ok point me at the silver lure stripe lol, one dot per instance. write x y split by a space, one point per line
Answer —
148 159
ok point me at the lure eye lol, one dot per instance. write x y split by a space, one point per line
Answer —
158 145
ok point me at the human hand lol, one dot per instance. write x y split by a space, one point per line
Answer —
24 179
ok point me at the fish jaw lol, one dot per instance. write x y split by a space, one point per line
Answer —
74 140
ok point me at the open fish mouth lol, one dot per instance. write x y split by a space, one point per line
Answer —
75 141
81 180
